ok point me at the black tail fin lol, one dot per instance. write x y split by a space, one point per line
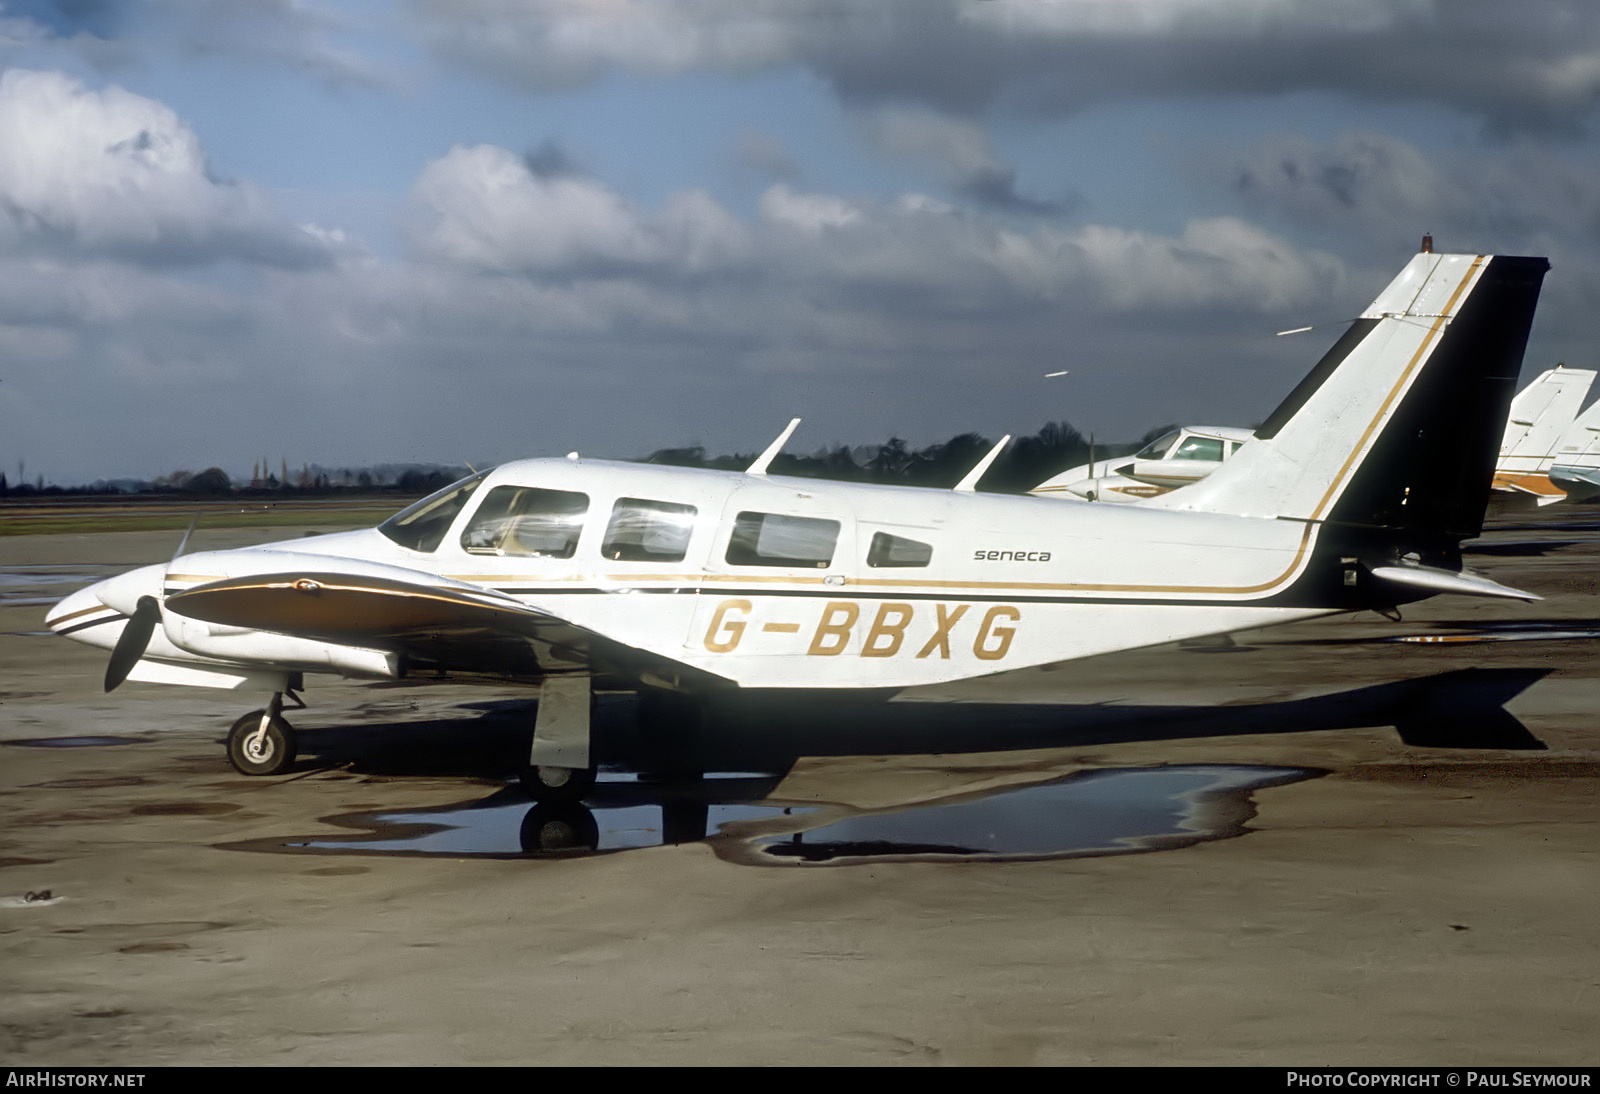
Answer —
1398 426
1430 471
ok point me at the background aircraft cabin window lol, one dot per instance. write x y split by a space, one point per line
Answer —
1199 448
887 550
648 531
421 526
527 522
1157 448
772 539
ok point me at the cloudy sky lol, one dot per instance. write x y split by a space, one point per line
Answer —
354 231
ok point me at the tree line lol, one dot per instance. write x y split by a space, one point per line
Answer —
1026 462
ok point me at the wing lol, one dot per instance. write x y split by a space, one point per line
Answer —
445 628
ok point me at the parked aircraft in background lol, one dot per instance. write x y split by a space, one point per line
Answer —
577 576
1542 416
1540 429
1176 458
1576 465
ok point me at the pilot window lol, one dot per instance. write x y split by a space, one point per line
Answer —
648 531
772 539
1157 449
421 526
1199 448
887 550
526 522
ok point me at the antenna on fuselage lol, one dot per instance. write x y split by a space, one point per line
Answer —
970 483
760 466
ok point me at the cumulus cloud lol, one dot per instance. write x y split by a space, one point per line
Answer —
1529 65
110 172
489 209
293 34
960 148
486 210
1381 187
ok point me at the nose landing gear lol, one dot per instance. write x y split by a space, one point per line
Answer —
262 742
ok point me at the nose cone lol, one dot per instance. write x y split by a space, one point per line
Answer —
84 617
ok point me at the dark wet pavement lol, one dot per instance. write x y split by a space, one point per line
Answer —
1103 812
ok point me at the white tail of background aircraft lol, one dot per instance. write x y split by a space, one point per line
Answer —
1540 434
1576 467
1542 420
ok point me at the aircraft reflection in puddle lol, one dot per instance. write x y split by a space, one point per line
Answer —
1112 812
1536 630
1093 813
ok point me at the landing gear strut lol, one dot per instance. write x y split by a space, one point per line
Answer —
262 743
558 767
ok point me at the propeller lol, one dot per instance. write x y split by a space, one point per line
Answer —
133 640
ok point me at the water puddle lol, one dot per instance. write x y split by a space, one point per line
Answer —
617 816
1526 631
22 585
1109 812
1094 813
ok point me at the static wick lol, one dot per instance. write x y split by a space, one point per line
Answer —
1297 330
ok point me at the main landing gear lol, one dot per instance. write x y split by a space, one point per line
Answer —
262 743
559 769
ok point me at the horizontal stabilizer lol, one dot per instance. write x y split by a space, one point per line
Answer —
1435 580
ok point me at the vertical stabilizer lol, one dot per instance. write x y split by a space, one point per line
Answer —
1398 426
1576 468
1542 415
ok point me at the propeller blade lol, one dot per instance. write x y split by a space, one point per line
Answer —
135 637
184 542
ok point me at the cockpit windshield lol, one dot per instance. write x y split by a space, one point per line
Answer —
1199 448
1157 449
421 526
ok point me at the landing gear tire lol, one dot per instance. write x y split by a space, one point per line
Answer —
553 828
253 753
544 783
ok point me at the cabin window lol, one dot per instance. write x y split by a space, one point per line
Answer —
527 522
1157 449
648 531
773 539
422 525
1199 448
887 550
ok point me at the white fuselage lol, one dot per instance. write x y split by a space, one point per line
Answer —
899 586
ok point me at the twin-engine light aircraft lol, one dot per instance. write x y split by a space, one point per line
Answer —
1544 454
1176 458
580 575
